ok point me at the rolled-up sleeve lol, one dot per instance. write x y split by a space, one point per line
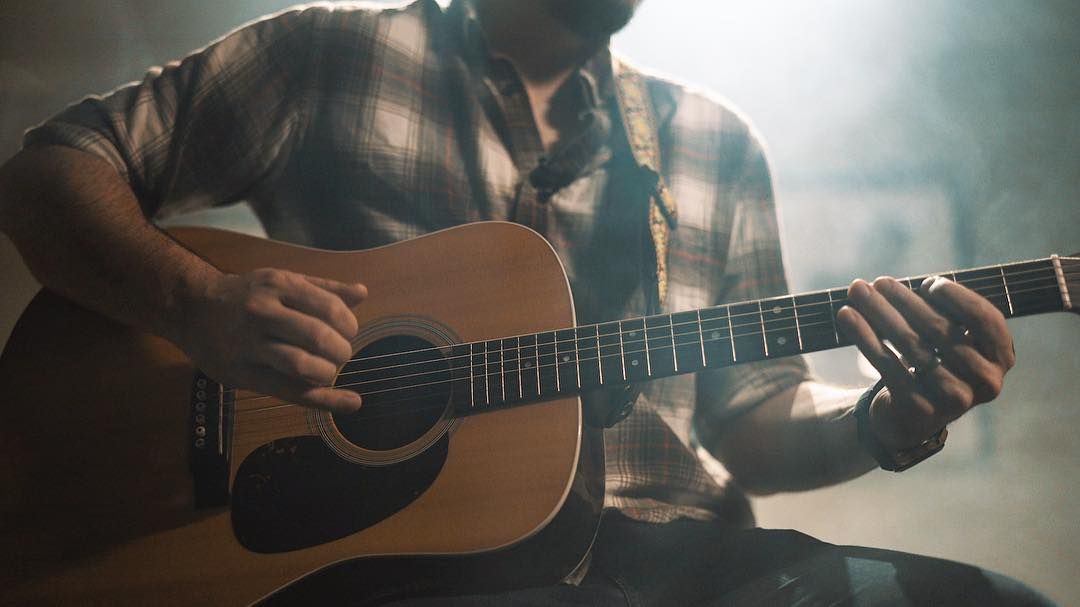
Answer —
754 269
204 130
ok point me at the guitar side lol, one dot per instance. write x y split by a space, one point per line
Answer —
98 501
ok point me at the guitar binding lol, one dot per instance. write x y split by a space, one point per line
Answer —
209 439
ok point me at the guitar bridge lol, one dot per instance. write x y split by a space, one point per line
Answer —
210 434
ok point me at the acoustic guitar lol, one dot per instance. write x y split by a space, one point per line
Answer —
130 477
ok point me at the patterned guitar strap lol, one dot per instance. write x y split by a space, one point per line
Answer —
639 120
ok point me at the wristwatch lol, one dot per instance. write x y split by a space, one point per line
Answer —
893 461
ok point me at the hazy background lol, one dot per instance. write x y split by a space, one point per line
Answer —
906 136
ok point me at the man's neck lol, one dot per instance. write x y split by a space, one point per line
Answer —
544 52
541 48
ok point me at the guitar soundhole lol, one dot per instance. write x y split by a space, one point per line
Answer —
405 383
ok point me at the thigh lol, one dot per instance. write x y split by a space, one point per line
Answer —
694 563
857 576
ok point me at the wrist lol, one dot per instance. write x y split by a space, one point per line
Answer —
188 297
880 435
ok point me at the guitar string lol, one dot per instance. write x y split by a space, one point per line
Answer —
555 353
668 331
530 371
995 280
796 309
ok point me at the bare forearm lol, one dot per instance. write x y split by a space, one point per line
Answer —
82 233
802 438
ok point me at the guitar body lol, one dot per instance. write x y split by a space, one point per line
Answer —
99 505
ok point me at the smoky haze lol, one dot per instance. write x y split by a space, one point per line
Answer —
906 136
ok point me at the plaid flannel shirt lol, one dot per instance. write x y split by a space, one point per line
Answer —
350 126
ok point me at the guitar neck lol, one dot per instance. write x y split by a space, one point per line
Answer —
539 366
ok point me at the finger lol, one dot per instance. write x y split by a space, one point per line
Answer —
952 345
352 293
986 322
273 383
306 297
296 363
931 326
858 331
888 323
309 333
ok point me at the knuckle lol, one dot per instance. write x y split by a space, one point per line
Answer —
910 341
992 386
273 277
958 396
345 319
323 340
254 306
938 330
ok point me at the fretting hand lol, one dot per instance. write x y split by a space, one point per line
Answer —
955 350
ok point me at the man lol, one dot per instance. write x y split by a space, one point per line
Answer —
351 127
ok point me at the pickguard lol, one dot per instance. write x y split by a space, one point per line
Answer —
296 493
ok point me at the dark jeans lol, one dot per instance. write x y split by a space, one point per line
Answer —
693 563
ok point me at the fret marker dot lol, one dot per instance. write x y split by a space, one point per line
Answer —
634 363
715 335
566 358
632 334
777 310
781 340
528 364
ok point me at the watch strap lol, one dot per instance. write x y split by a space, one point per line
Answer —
893 461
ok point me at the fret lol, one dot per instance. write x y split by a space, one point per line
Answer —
716 337
547 363
838 299
588 357
686 336
565 350
460 377
611 354
731 335
478 362
511 354
780 326
494 372
659 340
988 283
701 337
648 358
634 353
1066 269
671 328
832 318
1005 285
528 361
748 331
764 334
1034 287
817 331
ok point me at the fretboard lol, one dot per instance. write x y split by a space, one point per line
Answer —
522 369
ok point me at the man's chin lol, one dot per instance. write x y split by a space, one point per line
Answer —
592 19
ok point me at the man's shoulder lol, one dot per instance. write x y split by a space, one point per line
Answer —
350 18
685 107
